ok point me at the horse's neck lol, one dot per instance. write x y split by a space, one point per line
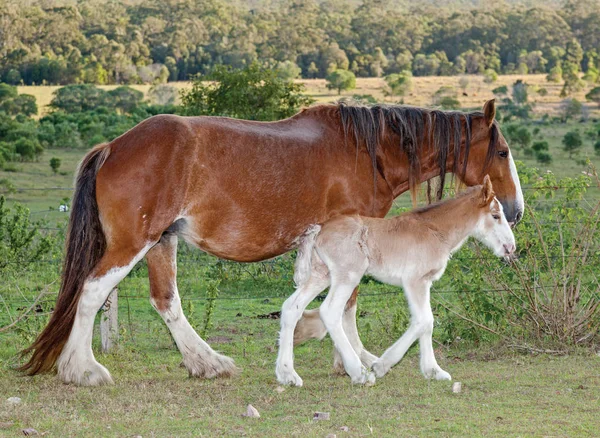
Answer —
394 164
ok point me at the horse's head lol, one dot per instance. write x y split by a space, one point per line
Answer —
491 155
493 229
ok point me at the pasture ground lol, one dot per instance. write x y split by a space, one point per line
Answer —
504 393
421 93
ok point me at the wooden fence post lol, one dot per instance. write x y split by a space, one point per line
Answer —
109 322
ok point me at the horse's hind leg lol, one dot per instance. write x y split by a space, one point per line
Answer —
198 358
76 363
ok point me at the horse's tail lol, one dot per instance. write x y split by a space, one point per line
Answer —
303 259
84 247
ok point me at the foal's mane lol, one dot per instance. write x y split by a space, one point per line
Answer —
414 125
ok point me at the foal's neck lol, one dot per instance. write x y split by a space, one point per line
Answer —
454 220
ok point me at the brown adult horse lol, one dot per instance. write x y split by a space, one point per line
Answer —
243 191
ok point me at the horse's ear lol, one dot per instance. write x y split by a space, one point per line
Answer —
489 112
487 191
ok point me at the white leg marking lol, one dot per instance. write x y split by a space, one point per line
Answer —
291 312
198 357
332 311
76 364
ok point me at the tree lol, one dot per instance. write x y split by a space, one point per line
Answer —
570 108
163 94
55 164
518 136
341 80
288 70
7 92
77 98
594 95
597 147
555 74
123 98
28 149
490 76
399 83
463 83
519 92
571 77
253 93
572 142
543 157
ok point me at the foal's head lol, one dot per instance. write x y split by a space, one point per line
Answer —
492 228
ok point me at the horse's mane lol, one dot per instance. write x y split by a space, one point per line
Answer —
413 125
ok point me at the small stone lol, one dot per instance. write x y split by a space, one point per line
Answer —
456 387
13 401
251 412
279 389
331 435
30 431
344 429
318 416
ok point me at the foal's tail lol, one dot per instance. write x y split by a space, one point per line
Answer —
84 247
304 257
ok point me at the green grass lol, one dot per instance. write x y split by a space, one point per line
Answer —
504 394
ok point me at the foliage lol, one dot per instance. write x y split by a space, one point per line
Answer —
253 93
594 95
57 42
86 97
13 103
55 164
570 108
490 76
547 296
572 142
519 92
501 90
518 136
21 242
398 83
341 80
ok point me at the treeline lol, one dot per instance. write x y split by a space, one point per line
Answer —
152 41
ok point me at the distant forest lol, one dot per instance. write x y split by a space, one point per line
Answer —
152 41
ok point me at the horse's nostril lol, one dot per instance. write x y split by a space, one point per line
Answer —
519 216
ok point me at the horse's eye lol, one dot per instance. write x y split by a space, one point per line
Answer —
495 216
503 154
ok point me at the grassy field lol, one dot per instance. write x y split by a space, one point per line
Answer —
504 393
421 93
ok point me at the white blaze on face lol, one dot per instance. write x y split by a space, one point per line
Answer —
496 234
515 177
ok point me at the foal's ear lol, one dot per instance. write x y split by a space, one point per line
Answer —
487 191
489 112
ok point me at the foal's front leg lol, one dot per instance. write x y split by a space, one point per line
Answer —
291 312
332 311
421 327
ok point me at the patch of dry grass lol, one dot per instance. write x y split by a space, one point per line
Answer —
421 94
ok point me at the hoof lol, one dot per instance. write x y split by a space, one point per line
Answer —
366 378
210 366
437 374
84 373
289 377
379 368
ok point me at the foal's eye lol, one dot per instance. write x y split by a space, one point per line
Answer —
503 154
495 216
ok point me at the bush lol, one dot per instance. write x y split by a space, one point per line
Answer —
28 149
341 80
252 93
548 295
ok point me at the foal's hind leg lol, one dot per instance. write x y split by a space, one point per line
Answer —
76 363
198 358
421 327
